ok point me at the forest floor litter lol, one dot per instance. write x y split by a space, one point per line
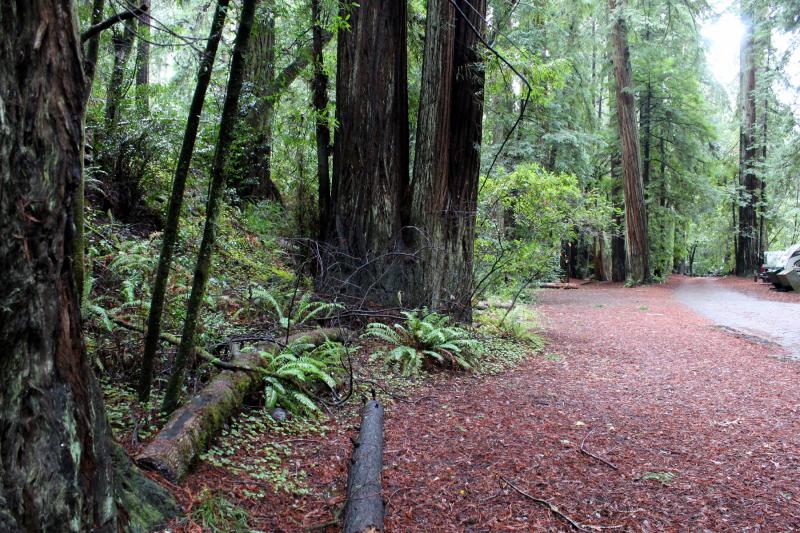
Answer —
638 415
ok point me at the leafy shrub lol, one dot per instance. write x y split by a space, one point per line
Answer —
422 337
294 374
292 312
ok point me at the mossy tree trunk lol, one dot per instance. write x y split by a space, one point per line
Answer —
59 468
176 200
122 45
143 61
217 187
322 133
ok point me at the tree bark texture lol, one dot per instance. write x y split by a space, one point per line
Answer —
59 468
143 61
371 155
364 510
122 44
635 209
447 161
322 130
176 200
230 111
749 186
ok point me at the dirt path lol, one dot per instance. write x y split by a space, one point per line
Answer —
764 320
702 428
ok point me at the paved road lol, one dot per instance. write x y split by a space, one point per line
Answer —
771 321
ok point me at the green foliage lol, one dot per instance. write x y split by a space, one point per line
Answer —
519 323
293 375
217 514
524 216
424 336
292 312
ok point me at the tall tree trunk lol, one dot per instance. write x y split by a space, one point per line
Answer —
635 209
370 157
176 200
261 77
122 44
230 110
59 468
447 161
746 250
323 133
143 61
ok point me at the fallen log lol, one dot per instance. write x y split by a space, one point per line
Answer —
192 427
364 509
558 286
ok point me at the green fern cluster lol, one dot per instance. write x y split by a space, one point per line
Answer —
291 314
293 374
425 336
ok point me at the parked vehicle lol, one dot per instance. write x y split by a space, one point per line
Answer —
787 273
794 278
772 263
786 261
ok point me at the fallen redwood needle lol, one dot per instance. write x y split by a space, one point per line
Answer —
553 509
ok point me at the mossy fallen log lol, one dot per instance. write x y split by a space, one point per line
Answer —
365 507
192 427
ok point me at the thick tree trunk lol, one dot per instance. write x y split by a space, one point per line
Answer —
143 61
447 162
122 44
230 110
319 87
747 249
635 209
59 468
370 160
176 200
260 77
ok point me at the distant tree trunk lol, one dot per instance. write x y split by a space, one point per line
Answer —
143 61
447 162
747 250
151 342
323 133
217 176
618 255
370 158
122 44
261 77
635 209
92 47
59 468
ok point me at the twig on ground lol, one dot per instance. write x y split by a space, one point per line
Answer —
553 509
590 454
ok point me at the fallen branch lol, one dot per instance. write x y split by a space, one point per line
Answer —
553 509
198 351
192 427
590 454
557 286
110 21
364 509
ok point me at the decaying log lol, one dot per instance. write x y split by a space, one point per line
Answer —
558 286
192 427
364 509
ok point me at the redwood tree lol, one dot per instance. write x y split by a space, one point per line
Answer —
635 209
59 468
447 162
370 159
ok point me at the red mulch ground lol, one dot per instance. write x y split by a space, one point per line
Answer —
651 387
759 289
